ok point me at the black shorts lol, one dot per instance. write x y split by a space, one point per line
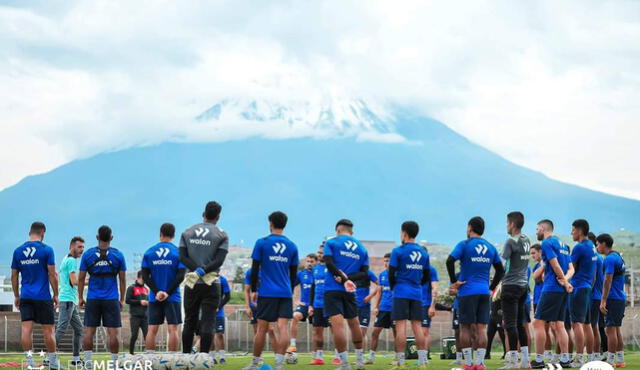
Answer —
406 309
580 305
474 309
552 307
594 316
304 310
102 311
273 308
219 328
426 320
364 316
615 312
383 320
40 312
567 317
159 311
455 320
337 302
319 320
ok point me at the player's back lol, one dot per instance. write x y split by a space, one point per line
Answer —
584 260
163 261
319 273
614 265
348 254
476 257
103 267
31 260
276 254
202 242
410 261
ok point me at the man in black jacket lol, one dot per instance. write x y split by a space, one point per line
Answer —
137 299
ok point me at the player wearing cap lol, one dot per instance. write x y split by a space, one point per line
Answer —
34 262
347 260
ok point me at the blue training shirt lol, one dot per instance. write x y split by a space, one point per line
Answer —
553 248
583 257
476 257
31 260
348 254
305 279
427 296
363 292
319 273
614 265
537 286
224 284
409 260
596 293
103 287
276 254
163 260
386 301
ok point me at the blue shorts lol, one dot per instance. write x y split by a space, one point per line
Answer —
455 320
552 307
40 312
319 320
273 308
364 316
580 305
383 320
406 309
337 302
615 312
159 311
426 320
304 310
219 325
474 309
594 316
102 311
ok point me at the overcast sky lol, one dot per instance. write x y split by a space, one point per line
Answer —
554 86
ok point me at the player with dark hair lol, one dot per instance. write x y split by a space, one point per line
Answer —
614 299
69 313
304 279
203 249
347 261
552 306
275 262
137 297
409 269
163 272
515 289
33 270
584 260
106 294
473 288
316 308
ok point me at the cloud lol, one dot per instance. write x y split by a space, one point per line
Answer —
552 86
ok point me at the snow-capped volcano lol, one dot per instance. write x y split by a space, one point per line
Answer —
327 118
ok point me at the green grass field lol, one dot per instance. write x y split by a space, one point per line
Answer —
383 361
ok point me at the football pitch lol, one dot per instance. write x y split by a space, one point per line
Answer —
383 361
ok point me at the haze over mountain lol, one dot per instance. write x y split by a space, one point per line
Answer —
317 163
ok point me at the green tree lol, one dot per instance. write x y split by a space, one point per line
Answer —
239 276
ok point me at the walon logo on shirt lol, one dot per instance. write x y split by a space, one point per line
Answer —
481 249
162 252
351 246
201 232
29 252
415 257
279 248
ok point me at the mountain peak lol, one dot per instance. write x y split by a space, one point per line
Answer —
344 117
